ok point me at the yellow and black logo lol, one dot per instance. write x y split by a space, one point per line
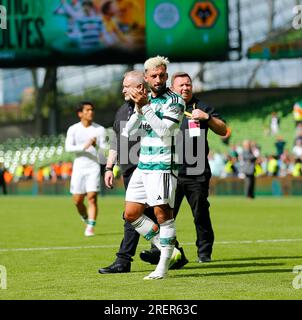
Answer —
204 14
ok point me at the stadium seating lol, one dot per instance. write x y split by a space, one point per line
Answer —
38 151
35 151
248 122
252 122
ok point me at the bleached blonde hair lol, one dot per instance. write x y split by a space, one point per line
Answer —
155 62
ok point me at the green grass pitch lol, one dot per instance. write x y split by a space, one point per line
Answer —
42 247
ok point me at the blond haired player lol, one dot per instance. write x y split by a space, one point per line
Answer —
153 182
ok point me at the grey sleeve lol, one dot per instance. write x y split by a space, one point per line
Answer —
113 141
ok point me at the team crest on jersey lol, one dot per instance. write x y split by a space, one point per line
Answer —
146 126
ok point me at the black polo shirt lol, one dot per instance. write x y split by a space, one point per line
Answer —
195 103
123 145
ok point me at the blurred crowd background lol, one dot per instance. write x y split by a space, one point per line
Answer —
258 93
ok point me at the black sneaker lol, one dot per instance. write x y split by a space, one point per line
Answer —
180 263
116 267
152 256
204 259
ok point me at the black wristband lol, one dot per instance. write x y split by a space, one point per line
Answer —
108 169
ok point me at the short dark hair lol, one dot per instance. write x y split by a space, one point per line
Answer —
179 74
81 105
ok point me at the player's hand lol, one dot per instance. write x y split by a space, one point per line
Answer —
108 179
91 142
198 114
138 109
139 96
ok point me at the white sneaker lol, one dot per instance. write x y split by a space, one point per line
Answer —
155 275
89 232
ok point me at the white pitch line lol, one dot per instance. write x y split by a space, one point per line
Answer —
258 241
57 248
116 245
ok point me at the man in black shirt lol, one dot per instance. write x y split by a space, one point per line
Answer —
128 159
131 237
195 173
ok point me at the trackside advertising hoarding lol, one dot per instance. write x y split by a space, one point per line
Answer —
83 32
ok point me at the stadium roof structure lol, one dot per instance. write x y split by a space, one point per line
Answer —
261 21
281 45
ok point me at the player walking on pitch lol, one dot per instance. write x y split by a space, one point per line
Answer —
154 182
87 140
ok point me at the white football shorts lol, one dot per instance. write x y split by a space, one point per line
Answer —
153 189
85 180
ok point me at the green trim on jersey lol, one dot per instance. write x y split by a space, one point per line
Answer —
158 153
154 150
161 99
159 114
180 106
151 133
157 166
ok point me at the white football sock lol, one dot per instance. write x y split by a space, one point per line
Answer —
146 227
167 242
156 241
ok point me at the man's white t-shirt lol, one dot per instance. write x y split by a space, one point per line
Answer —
76 139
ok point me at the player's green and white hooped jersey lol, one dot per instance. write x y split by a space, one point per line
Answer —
158 144
159 123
